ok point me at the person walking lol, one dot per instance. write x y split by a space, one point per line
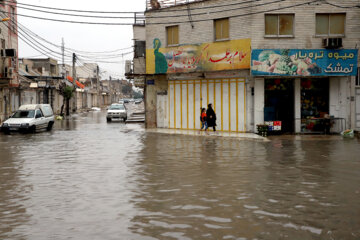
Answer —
203 119
211 117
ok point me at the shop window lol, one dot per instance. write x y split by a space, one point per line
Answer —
279 103
221 27
172 34
279 25
315 105
330 24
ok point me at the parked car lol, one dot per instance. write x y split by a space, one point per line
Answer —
121 101
126 100
30 118
116 111
138 101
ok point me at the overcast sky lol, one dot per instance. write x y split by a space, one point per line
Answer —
93 38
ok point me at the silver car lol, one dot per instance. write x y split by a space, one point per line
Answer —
116 111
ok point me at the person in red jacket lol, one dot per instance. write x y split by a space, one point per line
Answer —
203 119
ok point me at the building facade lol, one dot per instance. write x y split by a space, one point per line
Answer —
9 82
288 64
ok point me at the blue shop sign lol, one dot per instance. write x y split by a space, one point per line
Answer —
150 82
304 62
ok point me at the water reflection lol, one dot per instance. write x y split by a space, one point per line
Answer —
13 193
216 188
88 179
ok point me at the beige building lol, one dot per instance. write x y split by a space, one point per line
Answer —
9 82
291 64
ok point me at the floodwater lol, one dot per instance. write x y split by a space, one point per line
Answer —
88 179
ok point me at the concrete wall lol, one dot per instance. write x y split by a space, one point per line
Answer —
160 85
248 21
252 26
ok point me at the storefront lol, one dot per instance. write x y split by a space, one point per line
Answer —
187 78
187 97
304 91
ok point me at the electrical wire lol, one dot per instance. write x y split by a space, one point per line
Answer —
83 53
109 12
335 5
155 17
162 23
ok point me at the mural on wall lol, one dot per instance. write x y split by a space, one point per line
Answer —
215 56
304 62
160 60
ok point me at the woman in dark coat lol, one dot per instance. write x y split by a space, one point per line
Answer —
211 117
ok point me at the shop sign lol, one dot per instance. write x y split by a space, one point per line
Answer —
304 62
213 56
150 82
41 83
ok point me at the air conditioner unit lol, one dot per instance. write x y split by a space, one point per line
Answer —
128 66
10 52
332 43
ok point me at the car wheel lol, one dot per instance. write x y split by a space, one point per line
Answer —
32 129
6 132
125 119
49 127
108 119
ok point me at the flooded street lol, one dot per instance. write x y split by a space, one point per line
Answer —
88 179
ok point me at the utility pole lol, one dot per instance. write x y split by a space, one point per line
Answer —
63 57
74 80
98 84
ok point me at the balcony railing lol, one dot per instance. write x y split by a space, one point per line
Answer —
139 18
152 4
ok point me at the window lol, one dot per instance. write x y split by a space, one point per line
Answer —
172 35
139 49
279 25
221 29
38 114
330 24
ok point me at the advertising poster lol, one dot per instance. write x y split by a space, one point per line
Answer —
304 62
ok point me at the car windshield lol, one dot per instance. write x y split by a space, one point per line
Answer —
117 107
24 114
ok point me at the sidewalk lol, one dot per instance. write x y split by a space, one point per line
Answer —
240 136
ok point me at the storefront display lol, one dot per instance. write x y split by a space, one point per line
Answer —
315 105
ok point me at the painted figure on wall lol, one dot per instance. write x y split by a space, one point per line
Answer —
161 65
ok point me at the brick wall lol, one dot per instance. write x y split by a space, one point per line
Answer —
252 26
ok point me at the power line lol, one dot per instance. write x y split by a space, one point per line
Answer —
335 5
110 12
79 52
156 17
240 15
177 22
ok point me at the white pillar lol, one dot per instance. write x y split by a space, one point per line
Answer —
297 101
352 103
259 102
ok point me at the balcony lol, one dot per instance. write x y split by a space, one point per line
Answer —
167 3
139 19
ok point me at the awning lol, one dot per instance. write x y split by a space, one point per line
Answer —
80 85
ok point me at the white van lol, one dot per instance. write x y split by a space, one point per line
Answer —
30 118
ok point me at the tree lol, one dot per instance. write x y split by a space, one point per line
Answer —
137 94
126 89
67 92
